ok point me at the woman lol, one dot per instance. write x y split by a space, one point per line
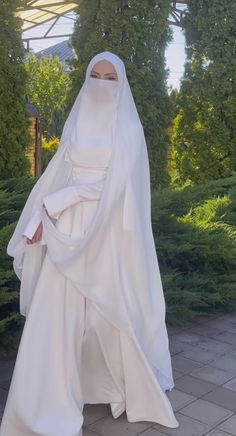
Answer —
91 289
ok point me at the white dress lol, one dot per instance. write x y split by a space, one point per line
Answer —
69 355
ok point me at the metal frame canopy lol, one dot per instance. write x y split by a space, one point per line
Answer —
36 12
178 11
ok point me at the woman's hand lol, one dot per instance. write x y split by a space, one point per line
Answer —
38 234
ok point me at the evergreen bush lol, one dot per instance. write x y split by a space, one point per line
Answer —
13 194
14 120
204 132
195 235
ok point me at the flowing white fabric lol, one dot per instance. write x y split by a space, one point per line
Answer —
113 264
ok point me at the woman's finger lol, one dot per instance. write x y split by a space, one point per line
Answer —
38 233
37 236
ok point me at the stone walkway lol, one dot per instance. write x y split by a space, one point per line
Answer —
204 397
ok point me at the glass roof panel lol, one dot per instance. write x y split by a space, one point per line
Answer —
36 12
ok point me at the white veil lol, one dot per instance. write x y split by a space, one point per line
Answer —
114 264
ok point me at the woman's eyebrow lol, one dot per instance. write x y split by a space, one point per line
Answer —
108 74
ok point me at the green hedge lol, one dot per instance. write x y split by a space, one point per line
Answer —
195 234
13 193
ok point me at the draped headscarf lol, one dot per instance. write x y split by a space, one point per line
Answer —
114 263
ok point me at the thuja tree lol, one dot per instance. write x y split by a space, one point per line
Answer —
204 133
14 136
137 32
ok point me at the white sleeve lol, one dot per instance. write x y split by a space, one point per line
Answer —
60 200
33 224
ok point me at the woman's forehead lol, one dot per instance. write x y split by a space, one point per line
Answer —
104 65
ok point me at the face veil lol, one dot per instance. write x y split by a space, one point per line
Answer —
93 121
121 273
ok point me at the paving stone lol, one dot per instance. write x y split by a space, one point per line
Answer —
184 365
231 328
189 338
207 331
187 427
177 346
188 325
229 317
177 374
227 337
7 364
173 330
87 432
204 319
230 384
151 432
221 323
225 363
199 354
216 346
217 433
6 370
6 384
3 399
206 412
93 412
179 399
194 386
232 354
224 324
223 397
108 426
211 374
229 425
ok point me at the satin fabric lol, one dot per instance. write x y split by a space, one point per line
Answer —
114 262
73 356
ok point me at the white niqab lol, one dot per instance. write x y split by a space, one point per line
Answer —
92 121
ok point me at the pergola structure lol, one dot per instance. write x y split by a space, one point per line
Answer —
36 12
178 11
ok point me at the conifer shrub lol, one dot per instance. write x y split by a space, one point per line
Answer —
195 235
13 193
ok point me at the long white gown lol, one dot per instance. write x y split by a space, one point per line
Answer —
69 354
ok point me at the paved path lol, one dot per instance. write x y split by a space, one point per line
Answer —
204 397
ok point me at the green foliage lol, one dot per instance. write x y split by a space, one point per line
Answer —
13 194
49 148
47 86
195 234
14 122
137 32
204 131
